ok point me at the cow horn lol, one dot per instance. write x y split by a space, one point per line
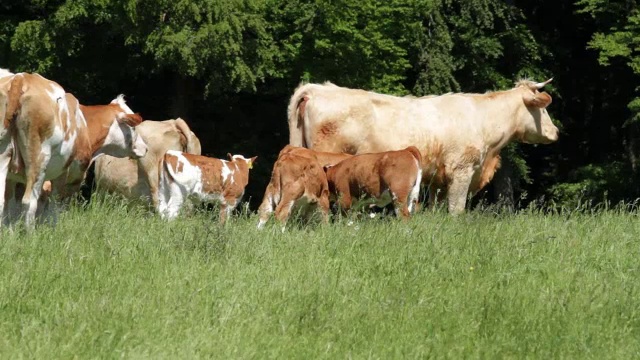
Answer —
542 84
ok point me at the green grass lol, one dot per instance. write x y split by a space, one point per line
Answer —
112 281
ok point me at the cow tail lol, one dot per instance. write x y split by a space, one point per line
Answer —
193 144
14 91
296 113
13 100
416 154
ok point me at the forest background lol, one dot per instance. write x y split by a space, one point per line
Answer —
228 67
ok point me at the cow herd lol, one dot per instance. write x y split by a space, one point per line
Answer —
345 145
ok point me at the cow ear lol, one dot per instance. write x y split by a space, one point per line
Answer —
539 100
251 161
130 119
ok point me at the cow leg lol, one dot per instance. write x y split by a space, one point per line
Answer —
283 210
33 188
5 159
323 204
152 180
226 208
459 189
13 191
436 195
345 201
400 203
415 193
170 200
266 207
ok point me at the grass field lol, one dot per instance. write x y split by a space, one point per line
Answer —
112 281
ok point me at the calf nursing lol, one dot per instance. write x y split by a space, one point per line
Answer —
390 176
298 184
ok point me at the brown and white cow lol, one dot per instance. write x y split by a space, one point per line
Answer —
47 135
459 135
138 179
385 177
298 183
203 179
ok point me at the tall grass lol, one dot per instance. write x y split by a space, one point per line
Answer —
114 281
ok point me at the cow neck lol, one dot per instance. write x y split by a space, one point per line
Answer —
500 118
99 119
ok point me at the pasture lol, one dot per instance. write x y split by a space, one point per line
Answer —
113 281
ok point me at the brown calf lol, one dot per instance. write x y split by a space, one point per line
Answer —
378 175
298 182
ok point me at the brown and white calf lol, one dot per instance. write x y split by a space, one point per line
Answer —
391 176
47 135
202 179
298 183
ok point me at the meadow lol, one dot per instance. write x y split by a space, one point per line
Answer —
114 281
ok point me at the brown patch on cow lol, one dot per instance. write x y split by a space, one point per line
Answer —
326 131
433 165
471 155
379 102
489 168
171 161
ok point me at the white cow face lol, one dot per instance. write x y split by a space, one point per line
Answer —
123 140
538 127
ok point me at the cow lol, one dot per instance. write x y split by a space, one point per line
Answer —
459 135
47 135
298 183
203 179
138 179
384 177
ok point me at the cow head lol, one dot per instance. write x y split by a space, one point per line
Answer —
122 139
129 143
239 159
536 125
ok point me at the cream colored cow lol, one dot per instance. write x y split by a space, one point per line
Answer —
459 135
138 178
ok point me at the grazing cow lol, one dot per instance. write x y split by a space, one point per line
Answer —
201 178
298 182
48 135
138 178
459 135
390 176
